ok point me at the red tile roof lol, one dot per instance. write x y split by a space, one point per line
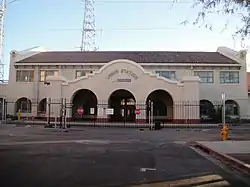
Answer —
139 57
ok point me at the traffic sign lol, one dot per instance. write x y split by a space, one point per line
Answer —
137 111
80 111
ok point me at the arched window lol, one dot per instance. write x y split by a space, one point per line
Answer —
24 105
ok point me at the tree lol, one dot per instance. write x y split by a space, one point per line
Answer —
234 8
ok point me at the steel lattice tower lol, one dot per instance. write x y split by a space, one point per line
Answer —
2 14
88 30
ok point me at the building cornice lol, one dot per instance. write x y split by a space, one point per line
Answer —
142 64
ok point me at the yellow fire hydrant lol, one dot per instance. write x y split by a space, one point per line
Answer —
224 132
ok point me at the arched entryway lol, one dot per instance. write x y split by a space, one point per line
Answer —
162 106
42 106
232 108
207 110
123 103
86 100
24 105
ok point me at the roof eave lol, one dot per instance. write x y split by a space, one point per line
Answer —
144 64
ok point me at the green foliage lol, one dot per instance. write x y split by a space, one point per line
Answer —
234 8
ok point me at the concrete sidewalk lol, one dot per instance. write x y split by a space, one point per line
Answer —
234 153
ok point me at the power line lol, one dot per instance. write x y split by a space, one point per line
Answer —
127 29
143 29
152 2
13 1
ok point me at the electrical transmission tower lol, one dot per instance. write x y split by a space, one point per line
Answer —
88 30
2 14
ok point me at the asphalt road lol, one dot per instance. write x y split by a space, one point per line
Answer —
37 157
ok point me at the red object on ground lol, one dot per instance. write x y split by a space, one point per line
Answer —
137 111
80 111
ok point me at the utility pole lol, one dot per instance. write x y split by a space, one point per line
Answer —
2 14
88 29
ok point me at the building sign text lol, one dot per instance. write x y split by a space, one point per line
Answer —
122 71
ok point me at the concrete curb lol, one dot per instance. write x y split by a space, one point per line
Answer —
121 125
232 162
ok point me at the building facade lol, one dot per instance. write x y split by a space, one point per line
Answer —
118 86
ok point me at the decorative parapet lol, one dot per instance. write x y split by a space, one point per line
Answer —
243 53
238 56
178 83
20 55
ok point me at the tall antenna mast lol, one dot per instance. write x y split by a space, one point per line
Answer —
2 14
88 30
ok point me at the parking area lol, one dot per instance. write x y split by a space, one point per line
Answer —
35 156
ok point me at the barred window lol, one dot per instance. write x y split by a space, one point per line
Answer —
24 105
167 74
229 77
205 76
45 73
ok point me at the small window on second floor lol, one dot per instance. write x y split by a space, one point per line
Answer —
81 73
45 73
25 75
205 76
229 77
167 74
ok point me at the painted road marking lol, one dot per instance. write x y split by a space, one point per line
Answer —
247 165
180 142
147 169
215 184
211 179
93 141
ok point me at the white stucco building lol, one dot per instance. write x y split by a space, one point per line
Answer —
182 85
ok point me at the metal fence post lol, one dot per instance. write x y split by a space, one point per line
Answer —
61 113
125 113
223 97
49 105
3 111
149 113
65 113
152 113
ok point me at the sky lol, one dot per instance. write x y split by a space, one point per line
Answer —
123 25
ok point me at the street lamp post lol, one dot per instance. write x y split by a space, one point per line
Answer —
223 97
